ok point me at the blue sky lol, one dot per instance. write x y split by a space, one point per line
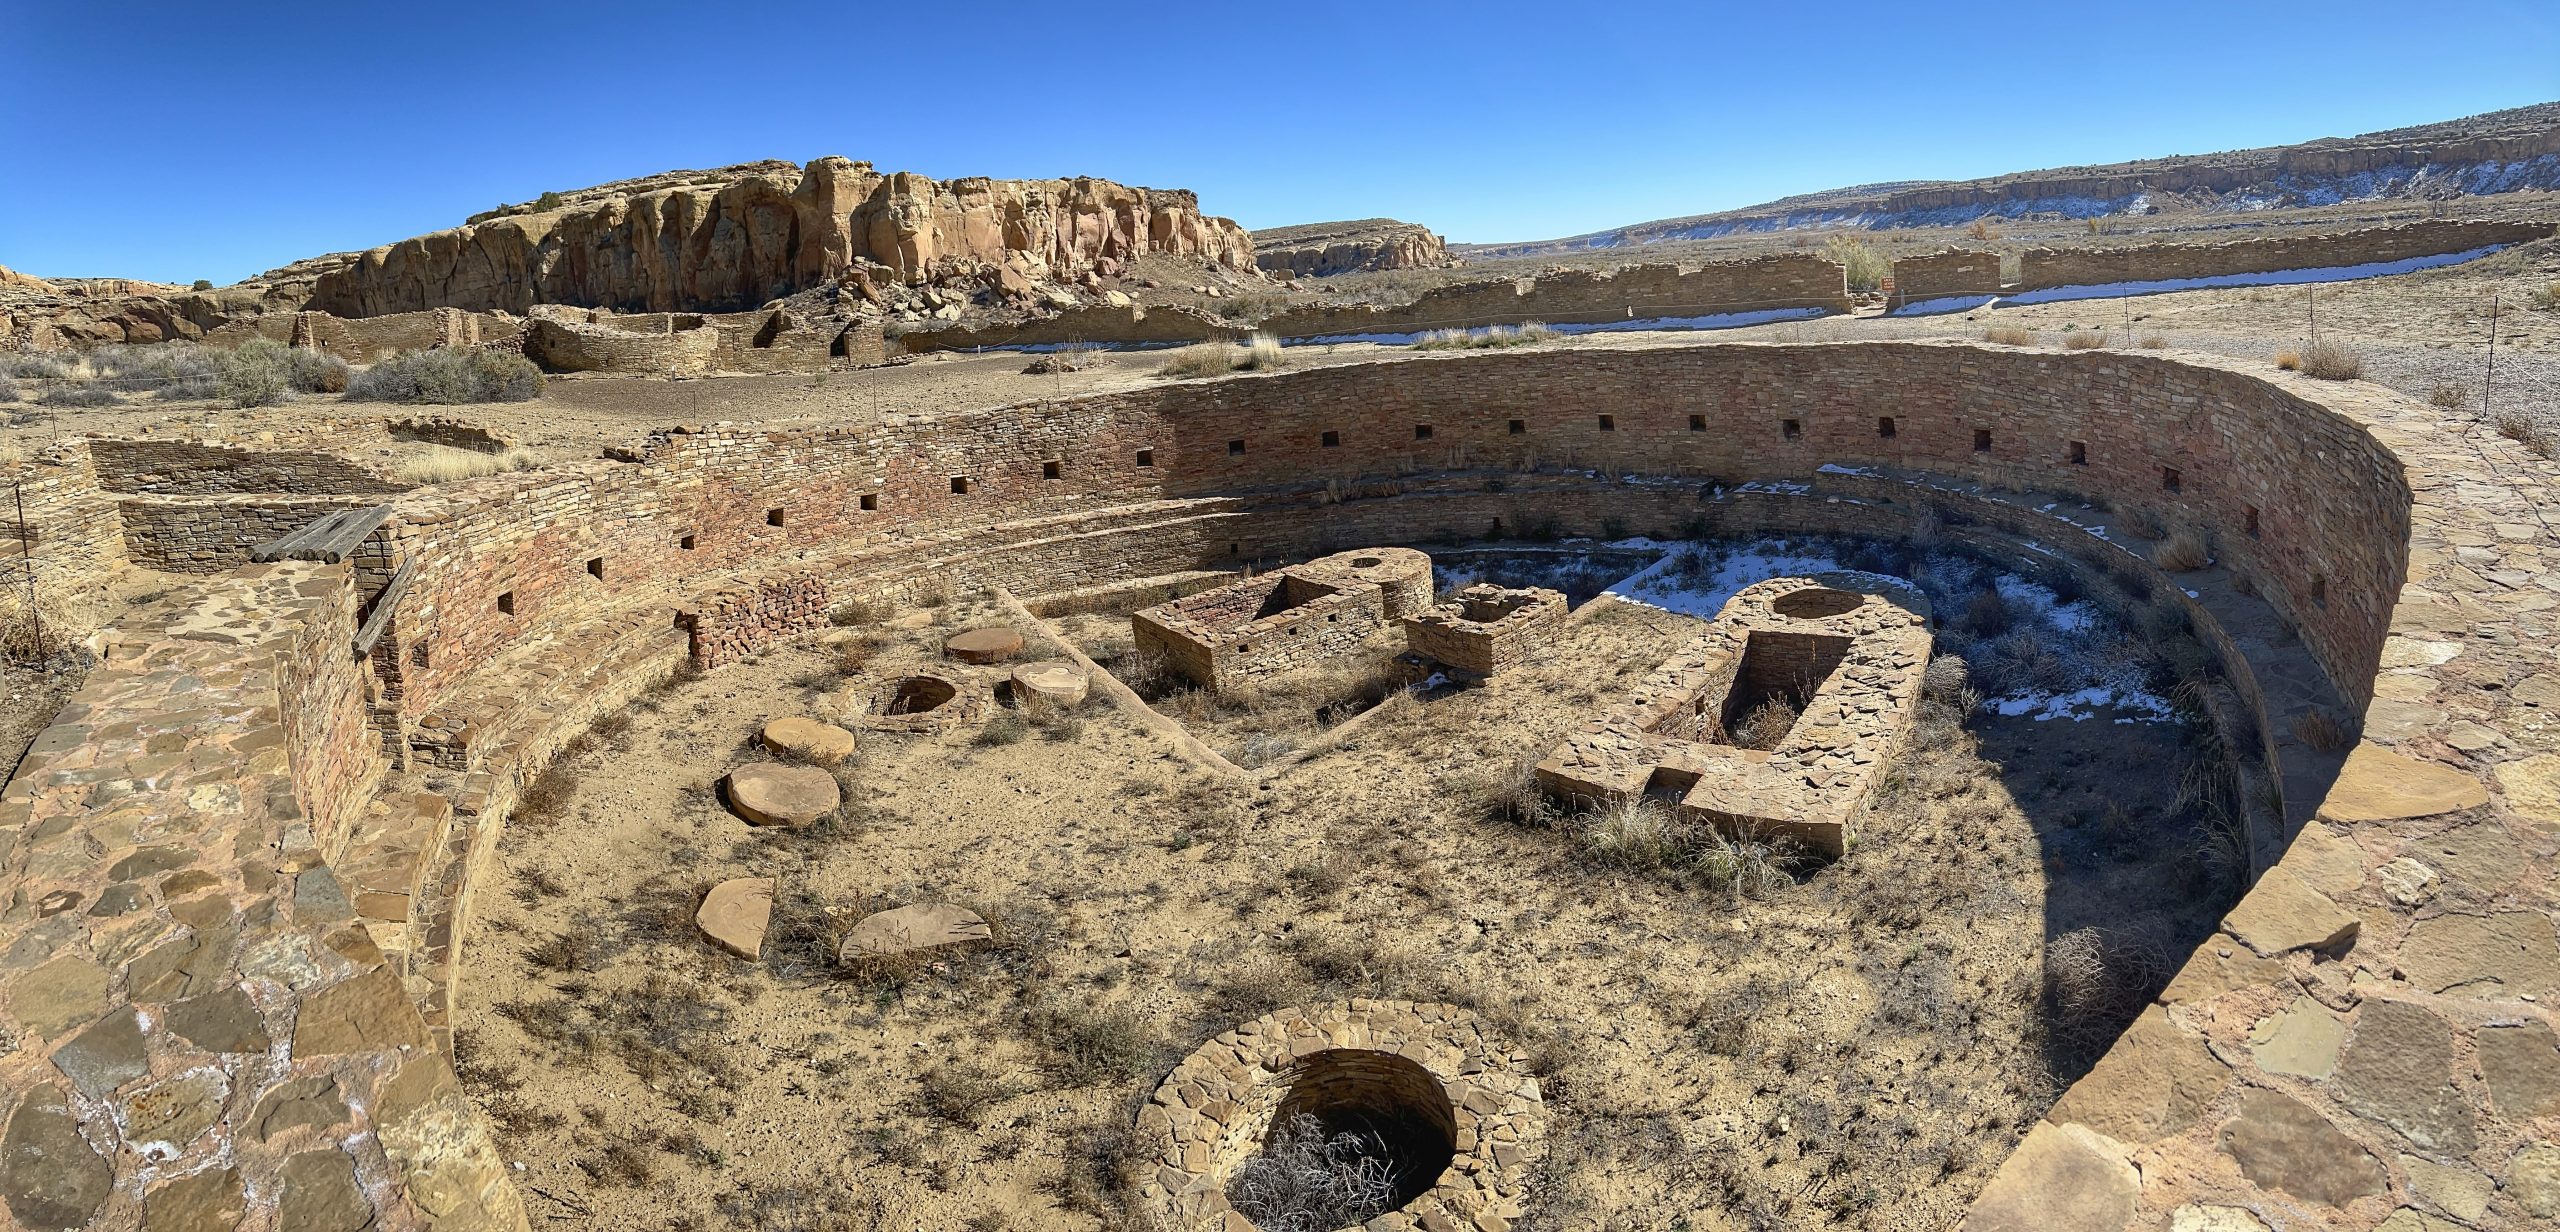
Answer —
176 141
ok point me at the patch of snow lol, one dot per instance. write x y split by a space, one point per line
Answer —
2098 701
1834 468
1718 320
1943 305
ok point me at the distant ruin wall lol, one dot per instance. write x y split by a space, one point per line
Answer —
2039 268
566 346
1783 281
1095 323
1941 275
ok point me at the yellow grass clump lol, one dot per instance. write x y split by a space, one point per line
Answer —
445 464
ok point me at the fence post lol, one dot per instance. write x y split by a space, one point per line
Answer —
2489 373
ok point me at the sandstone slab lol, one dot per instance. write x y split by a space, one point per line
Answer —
209 1201
2062 1178
990 644
106 1056
320 1194
2495 956
2463 1193
59 995
367 1013
52 1179
2522 1067
2282 1144
1056 681
2398 1069
771 794
2282 912
2377 784
225 1021
2533 787
2302 1041
2197 1217
2156 1081
734 915
819 744
2533 1177
917 926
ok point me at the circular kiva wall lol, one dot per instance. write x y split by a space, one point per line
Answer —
1458 1108
207 923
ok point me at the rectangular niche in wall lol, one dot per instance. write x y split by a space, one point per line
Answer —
595 567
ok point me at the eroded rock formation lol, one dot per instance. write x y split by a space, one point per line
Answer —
738 237
1321 248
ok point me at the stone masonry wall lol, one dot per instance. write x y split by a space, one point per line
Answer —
2073 267
1782 280
214 534
73 541
2441 589
1955 271
203 468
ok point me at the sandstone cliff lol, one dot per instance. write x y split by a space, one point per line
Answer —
738 237
1319 249
2503 151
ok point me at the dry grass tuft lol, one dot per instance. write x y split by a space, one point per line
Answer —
2325 731
2084 339
2332 361
2153 342
446 464
1493 338
2289 360
1262 353
2181 551
1306 1180
2448 396
2010 335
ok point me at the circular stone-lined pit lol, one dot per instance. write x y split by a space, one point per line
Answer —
1458 1116
1816 603
920 701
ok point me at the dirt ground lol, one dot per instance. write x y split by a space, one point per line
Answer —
1713 1055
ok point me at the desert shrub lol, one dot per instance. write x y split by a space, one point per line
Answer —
1766 725
1507 793
1306 1180
201 284
2332 361
1945 679
1989 613
547 201
2153 342
1262 353
2009 335
33 365
1006 728
2096 980
1492 338
1746 864
2289 360
1200 359
2084 340
8 389
2020 662
1091 1044
2182 550
257 374
1866 267
960 1092
1982 229
2547 298
2448 396
448 377
1637 833
2325 731
79 396
445 464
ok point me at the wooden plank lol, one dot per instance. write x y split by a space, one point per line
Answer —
380 618
329 539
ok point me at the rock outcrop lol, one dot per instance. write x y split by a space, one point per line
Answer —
742 236
2502 151
1318 249
12 280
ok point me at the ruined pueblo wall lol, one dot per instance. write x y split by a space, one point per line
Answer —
1941 274
216 534
237 693
71 542
194 468
1800 281
737 239
2039 268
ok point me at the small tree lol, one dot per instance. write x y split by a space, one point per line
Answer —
201 284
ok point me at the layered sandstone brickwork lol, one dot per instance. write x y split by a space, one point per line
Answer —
1780 282
63 533
1486 629
1361 1062
2423 602
1845 650
2040 268
1945 275
216 534
175 467
578 346
1280 622
736 238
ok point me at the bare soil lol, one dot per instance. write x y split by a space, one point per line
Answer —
1711 1058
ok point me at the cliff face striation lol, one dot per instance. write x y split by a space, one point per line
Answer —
2503 151
1318 249
740 236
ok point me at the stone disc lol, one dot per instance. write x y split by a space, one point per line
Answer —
1057 680
992 644
917 926
808 740
734 914
772 794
